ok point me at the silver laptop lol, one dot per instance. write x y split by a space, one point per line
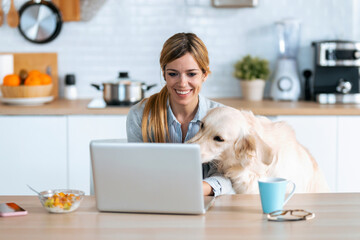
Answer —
148 177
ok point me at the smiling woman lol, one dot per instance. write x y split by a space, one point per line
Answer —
185 65
183 81
174 114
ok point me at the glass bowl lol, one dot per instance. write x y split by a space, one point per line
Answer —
61 200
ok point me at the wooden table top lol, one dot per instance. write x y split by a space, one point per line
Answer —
266 107
230 217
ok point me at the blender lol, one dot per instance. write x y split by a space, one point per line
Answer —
286 80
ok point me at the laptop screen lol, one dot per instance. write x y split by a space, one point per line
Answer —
147 177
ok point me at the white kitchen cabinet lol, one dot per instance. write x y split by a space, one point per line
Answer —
32 151
319 135
82 129
53 151
349 154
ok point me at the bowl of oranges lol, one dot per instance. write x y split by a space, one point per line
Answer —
61 200
32 84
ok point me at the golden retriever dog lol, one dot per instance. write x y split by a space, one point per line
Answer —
246 147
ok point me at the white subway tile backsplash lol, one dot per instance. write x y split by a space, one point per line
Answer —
128 35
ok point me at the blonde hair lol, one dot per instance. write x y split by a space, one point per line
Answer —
155 127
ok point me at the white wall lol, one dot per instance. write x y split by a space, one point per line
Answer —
127 35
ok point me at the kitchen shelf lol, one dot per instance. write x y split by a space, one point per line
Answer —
266 108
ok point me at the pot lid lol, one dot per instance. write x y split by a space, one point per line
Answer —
124 79
124 82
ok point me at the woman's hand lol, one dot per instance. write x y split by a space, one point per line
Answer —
207 189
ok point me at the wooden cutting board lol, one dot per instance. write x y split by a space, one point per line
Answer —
70 9
38 61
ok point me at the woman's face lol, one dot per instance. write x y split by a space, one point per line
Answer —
183 80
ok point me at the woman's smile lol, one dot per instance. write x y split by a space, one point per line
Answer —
183 92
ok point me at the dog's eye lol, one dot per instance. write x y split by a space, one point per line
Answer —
201 125
218 139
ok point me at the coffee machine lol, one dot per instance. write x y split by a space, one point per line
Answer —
337 72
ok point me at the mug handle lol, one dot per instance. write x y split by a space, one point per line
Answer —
290 194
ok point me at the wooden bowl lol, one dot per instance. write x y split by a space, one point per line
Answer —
26 91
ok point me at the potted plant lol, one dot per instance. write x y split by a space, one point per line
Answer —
252 73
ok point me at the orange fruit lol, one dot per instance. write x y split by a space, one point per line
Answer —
45 79
11 80
36 77
33 80
34 72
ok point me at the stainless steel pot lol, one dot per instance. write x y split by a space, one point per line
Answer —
123 92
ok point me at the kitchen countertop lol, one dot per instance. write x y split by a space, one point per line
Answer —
231 217
266 107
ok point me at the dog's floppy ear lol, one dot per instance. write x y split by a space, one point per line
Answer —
264 151
252 148
245 150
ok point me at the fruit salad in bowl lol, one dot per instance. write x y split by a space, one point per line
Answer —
61 200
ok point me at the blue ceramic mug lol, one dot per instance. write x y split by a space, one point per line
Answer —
272 193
